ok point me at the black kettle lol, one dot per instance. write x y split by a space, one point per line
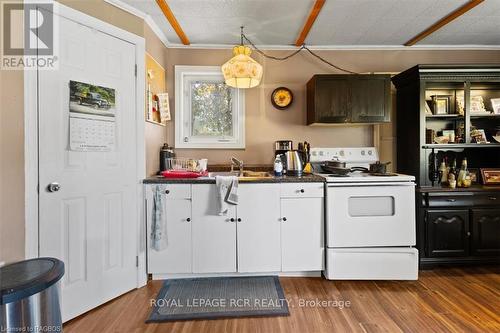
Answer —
166 152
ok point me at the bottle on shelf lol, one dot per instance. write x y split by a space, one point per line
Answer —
443 171
462 173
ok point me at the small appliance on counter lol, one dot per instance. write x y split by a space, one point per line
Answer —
280 148
166 154
294 165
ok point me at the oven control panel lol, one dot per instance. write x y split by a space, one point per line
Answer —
348 155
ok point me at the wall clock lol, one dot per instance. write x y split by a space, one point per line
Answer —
281 98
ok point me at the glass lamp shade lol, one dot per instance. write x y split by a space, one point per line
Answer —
241 71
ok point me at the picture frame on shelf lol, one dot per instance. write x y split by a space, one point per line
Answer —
477 105
441 104
478 136
495 105
475 175
491 176
428 111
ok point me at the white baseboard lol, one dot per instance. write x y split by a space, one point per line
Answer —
201 275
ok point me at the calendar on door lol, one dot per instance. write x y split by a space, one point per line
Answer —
92 118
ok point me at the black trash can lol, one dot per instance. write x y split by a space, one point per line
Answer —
30 296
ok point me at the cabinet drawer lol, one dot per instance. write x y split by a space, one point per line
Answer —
450 200
302 190
464 199
487 199
176 191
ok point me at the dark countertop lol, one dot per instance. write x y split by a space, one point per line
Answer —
211 180
473 188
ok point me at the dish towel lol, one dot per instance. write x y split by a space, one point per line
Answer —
158 223
227 192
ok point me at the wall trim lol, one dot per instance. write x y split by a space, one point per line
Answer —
346 47
147 19
31 138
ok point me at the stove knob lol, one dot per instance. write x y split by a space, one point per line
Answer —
321 153
369 152
342 153
363 153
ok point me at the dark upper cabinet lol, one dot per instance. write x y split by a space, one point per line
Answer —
447 233
348 99
486 232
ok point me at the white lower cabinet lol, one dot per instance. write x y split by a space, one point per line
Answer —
258 228
302 240
176 257
275 227
213 236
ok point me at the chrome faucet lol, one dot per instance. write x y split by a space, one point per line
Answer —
236 162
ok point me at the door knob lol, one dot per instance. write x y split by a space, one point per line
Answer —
53 187
284 219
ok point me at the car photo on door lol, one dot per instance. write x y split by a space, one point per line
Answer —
91 99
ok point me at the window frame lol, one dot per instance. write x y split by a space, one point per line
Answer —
184 75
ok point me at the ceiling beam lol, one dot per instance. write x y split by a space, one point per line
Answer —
173 21
310 21
444 21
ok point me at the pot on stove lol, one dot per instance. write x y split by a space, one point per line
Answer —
379 167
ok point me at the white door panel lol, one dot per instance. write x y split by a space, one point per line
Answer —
213 236
91 222
258 229
371 216
177 256
302 237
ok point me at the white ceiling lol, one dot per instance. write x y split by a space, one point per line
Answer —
341 23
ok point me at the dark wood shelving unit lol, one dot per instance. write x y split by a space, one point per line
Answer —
461 225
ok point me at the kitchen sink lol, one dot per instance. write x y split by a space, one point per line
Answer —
244 175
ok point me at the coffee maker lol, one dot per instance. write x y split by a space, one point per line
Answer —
280 148
166 152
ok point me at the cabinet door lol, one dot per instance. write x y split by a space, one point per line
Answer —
176 257
370 99
447 233
213 236
258 212
332 100
485 232
302 240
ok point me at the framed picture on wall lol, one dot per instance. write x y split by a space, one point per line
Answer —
491 176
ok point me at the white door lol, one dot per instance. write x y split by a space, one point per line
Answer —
176 257
302 238
258 229
213 235
91 222
362 216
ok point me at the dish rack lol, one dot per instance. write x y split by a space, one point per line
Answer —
183 164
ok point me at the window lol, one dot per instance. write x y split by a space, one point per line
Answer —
209 114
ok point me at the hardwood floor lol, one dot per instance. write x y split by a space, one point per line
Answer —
442 300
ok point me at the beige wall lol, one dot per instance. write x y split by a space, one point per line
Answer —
12 126
265 124
155 134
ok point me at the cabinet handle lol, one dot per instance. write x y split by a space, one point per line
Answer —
188 219
492 198
231 219
284 219
302 190
167 191
239 220
468 233
451 200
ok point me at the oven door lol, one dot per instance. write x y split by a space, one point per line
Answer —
366 216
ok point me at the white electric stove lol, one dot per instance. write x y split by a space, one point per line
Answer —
370 219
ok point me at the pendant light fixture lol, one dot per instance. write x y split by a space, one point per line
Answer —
241 71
